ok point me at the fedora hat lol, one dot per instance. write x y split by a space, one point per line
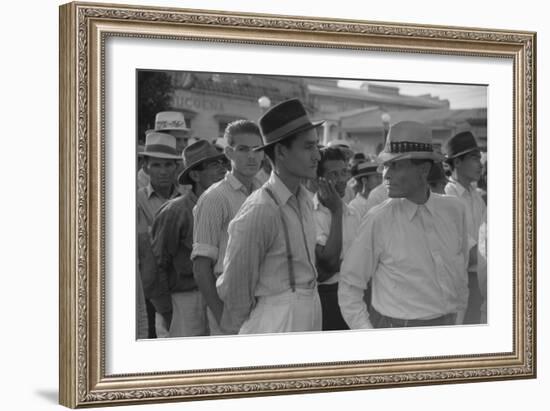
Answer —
166 121
284 120
160 145
194 155
365 168
409 140
460 144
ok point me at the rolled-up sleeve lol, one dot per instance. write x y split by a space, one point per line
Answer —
208 216
250 235
357 268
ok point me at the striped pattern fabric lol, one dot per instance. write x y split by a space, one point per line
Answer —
255 263
215 209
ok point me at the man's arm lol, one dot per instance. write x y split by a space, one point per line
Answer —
358 266
251 234
203 271
329 239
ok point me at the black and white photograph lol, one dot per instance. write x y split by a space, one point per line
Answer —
273 204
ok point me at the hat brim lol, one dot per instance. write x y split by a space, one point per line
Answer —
462 153
164 156
419 155
291 133
366 173
183 177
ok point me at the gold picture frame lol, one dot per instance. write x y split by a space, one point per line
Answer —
84 28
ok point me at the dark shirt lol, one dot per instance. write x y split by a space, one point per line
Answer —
172 243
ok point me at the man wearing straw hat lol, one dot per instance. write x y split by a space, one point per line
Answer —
217 207
368 178
464 157
414 246
172 241
160 164
269 280
173 123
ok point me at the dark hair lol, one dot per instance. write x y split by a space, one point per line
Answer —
240 127
270 150
358 156
327 154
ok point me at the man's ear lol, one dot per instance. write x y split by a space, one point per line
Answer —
228 151
194 175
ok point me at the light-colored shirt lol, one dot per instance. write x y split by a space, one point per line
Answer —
215 209
255 263
417 257
377 195
148 203
475 208
323 220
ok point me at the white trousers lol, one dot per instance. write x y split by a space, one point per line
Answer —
188 315
285 312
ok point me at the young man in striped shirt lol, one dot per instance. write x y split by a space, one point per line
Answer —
217 207
269 280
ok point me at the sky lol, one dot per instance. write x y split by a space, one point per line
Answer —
459 96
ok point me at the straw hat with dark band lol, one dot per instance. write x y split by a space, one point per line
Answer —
196 154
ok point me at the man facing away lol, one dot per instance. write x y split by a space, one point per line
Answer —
172 241
217 207
413 246
269 281
336 224
464 157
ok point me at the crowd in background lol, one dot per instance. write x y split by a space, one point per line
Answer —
267 231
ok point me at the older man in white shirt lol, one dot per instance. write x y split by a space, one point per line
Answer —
414 247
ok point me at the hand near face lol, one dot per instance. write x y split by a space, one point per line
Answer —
328 196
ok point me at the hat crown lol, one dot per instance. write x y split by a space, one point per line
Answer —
283 120
198 151
460 143
417 134
366 167
170 120
159 143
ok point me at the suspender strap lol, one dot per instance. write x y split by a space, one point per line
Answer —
291 276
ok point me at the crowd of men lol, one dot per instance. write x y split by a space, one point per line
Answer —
267 231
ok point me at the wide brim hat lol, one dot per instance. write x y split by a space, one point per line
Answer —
166 121
160 145
284 120
409 140
460 144
196 154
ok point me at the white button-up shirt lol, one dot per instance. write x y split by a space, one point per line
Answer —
475 207
323 220
255 263
416 256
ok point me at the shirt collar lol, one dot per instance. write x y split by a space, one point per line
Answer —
410 209
460 189
149 190
284 194
237 185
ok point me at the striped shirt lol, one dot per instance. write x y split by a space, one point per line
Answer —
417 257
255 263
215 209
